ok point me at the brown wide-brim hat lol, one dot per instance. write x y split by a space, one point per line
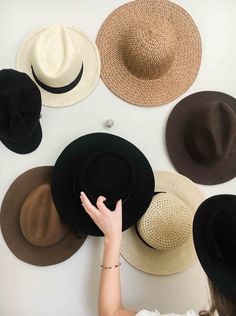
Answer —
11 229
187 111
150 52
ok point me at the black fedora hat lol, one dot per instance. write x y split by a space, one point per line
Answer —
215 241
201 137
20 100
101 164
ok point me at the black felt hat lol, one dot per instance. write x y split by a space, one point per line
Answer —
102 164
201 137
20 101
215 241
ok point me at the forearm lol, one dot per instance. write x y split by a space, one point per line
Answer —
110 224
110 290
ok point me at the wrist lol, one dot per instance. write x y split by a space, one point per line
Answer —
114 240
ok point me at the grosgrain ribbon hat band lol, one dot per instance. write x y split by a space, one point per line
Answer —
59 90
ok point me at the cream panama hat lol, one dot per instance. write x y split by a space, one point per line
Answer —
162 243
63 61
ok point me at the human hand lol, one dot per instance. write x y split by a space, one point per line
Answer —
110 222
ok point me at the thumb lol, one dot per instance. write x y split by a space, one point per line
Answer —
118 206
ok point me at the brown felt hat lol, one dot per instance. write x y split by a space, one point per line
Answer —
201 137
150 52
30 223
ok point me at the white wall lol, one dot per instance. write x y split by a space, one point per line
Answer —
71 288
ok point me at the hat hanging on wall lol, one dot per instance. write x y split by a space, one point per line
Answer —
63 61
20 99
201 137
161 243
215 241
101 164
150 52
30 223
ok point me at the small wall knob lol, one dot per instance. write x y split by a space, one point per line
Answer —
109 123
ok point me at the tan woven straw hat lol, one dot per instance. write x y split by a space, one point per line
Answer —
150 52
162 243
63 61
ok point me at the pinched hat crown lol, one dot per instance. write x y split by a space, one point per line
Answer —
39 220
149 50
167 223
210 135
56 59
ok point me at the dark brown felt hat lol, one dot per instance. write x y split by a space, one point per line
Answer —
30 223
201 137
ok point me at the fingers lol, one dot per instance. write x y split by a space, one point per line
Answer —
92 210
88 206
100 204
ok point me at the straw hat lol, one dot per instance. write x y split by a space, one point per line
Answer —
63 61
201 137
30 223
161 243
150 52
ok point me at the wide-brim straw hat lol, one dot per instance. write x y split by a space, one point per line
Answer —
31 225
167 224
150 52
63 61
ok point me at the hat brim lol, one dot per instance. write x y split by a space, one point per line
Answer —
183 70
66 165
10 223
28 145
152 261
175 135
219 272
91 68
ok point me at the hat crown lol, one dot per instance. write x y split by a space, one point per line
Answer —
210 135
105 173
221 235
167 223
149 50
20 105
39 220
56 58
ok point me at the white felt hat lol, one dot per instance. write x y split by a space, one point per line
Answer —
162 242
63 61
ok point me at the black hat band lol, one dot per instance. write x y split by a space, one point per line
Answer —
59 90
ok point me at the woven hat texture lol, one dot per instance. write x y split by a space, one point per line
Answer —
150 52
62 58
162 243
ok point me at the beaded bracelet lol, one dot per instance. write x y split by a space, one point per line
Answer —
112 267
